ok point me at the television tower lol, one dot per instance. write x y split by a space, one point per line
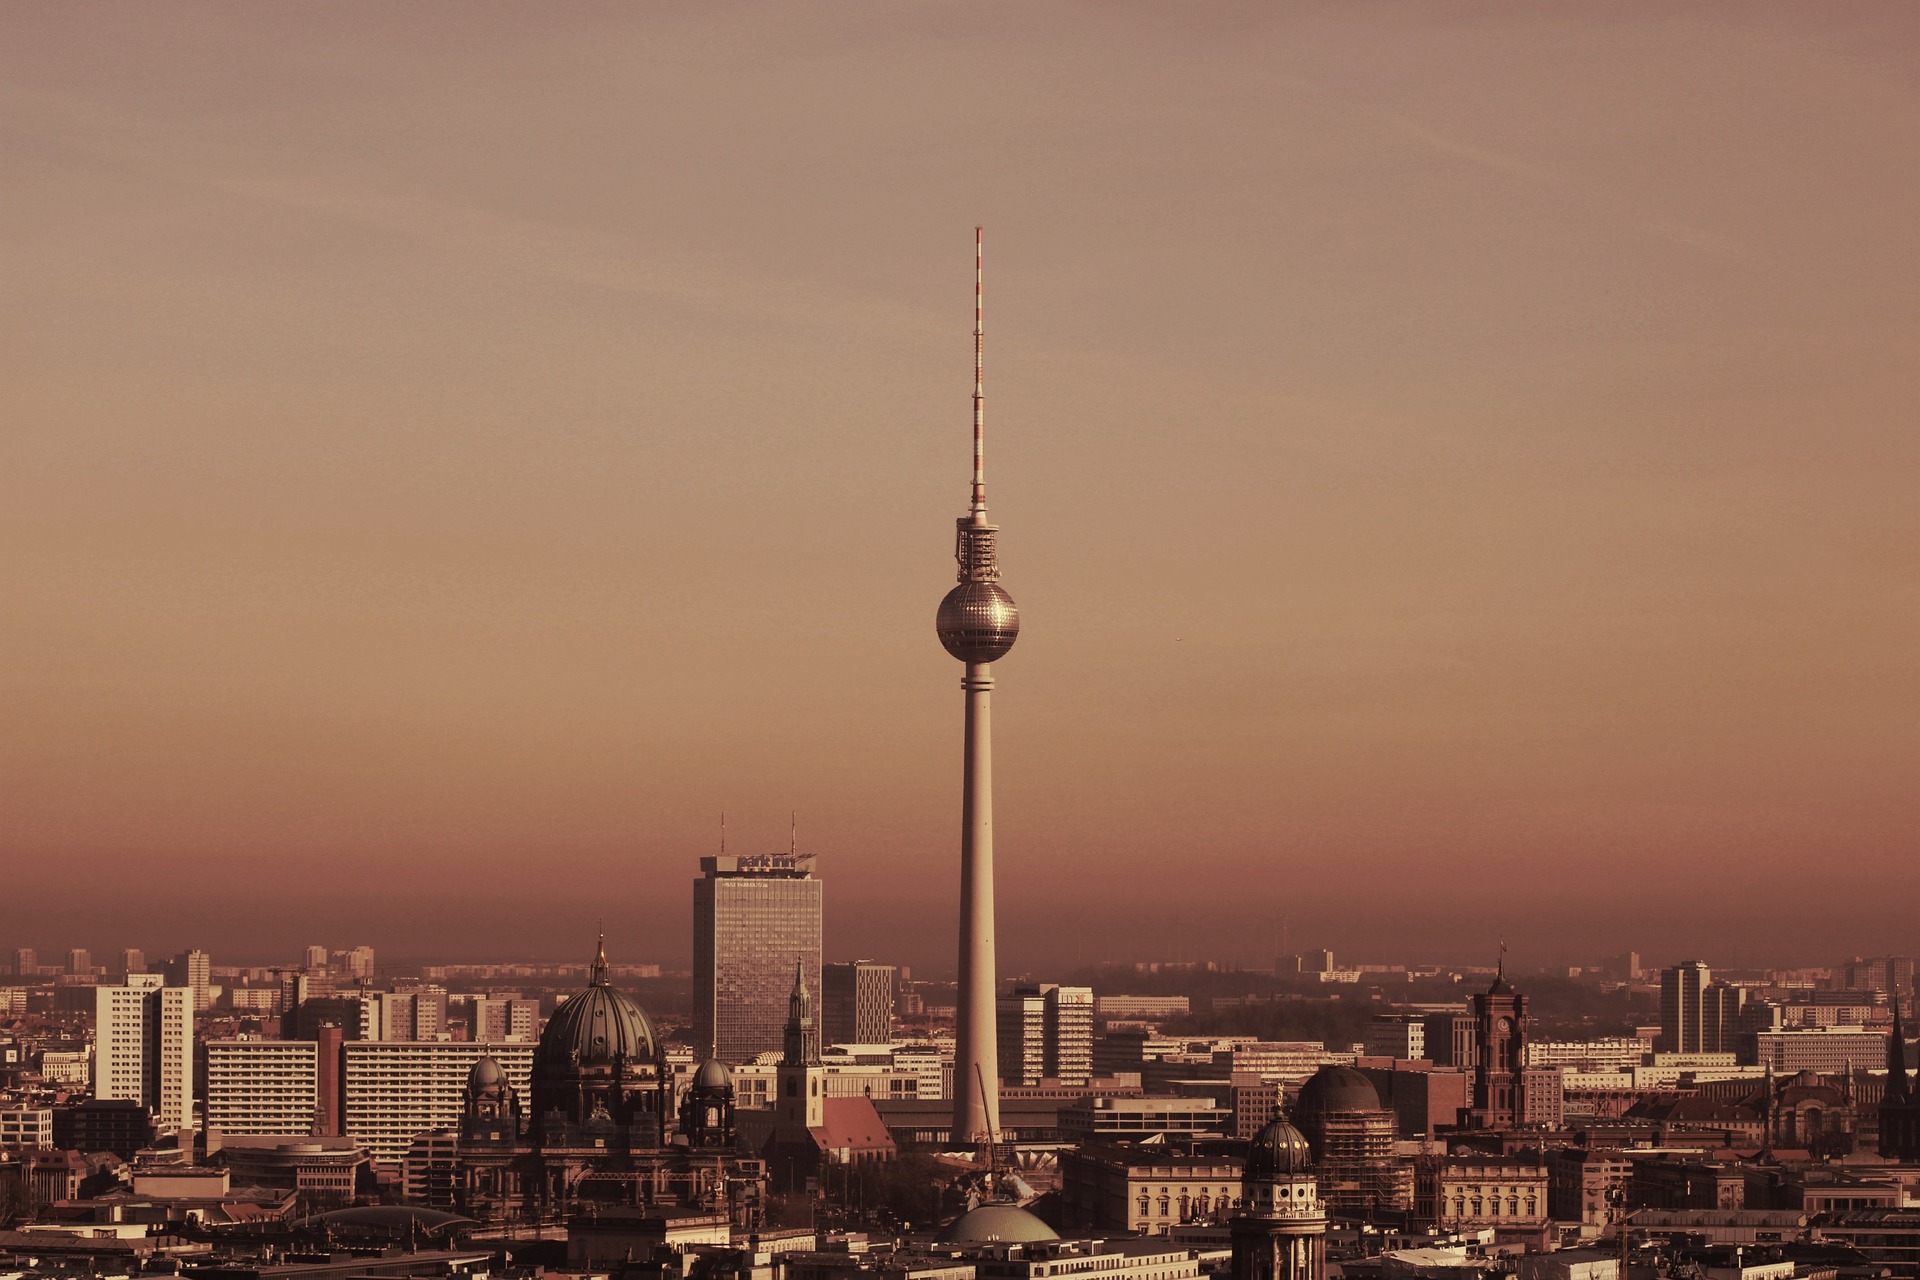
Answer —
977 623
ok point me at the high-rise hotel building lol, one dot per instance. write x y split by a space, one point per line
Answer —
143 1048
754 918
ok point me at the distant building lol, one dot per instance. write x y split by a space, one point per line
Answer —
194 971
1115 1119
1046 1033
856 1002
122 1126
1138 1190
264 1088
1586 1185
502 1019
26 1126
754 918
80 962
393 1090
1697 1014
26 964
360 964
1139 1008
143 1033
1467 1192
1397 1035
1450 1040
1828 1050
132 960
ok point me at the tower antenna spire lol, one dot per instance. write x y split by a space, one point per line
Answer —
979 505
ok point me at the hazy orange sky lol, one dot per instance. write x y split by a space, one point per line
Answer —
1457 466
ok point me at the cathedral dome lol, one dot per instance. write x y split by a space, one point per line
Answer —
1278 1149
597 1026
486 1074
1336 1089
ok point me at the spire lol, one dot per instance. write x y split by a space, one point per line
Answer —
802 1039
1897 1089
598 976
979 505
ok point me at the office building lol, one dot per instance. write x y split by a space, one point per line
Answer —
1827 1050
1450 1039
1020 1020
26 1126
144 1048
316 960
1045 1032
262 1087
80 962
132 960
359 964
1683 988
393 1091
502 1019
26 963
856 1002
194 971
1397 1035
754 919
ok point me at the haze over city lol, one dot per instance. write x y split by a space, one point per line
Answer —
1456 465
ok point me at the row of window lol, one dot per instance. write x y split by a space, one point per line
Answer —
1492 1207
1189 1206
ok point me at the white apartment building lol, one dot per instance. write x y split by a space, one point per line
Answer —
28 1127
1611 1053
1827 1049
262 1088
143 1035
396 1090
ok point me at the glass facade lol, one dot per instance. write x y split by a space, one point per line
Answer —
754 918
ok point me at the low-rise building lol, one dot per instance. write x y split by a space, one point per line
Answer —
27 1127
1139 1190
1119 1119
1465 1192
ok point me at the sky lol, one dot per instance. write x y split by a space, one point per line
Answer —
1456 464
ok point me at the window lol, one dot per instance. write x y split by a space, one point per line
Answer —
1164 1202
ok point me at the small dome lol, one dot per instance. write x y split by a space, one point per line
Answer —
1336 1089
713 1074
1278 1149
978 622
486 1074
997 1224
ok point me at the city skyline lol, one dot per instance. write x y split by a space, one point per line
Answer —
1462 495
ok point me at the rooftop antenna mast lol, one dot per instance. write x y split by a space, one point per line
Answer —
979 504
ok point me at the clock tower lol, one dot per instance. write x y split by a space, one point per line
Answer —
1499 1082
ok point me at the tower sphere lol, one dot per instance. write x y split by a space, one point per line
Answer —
978 622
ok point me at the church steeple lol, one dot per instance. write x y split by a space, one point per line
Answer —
1897 1088
801 1044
